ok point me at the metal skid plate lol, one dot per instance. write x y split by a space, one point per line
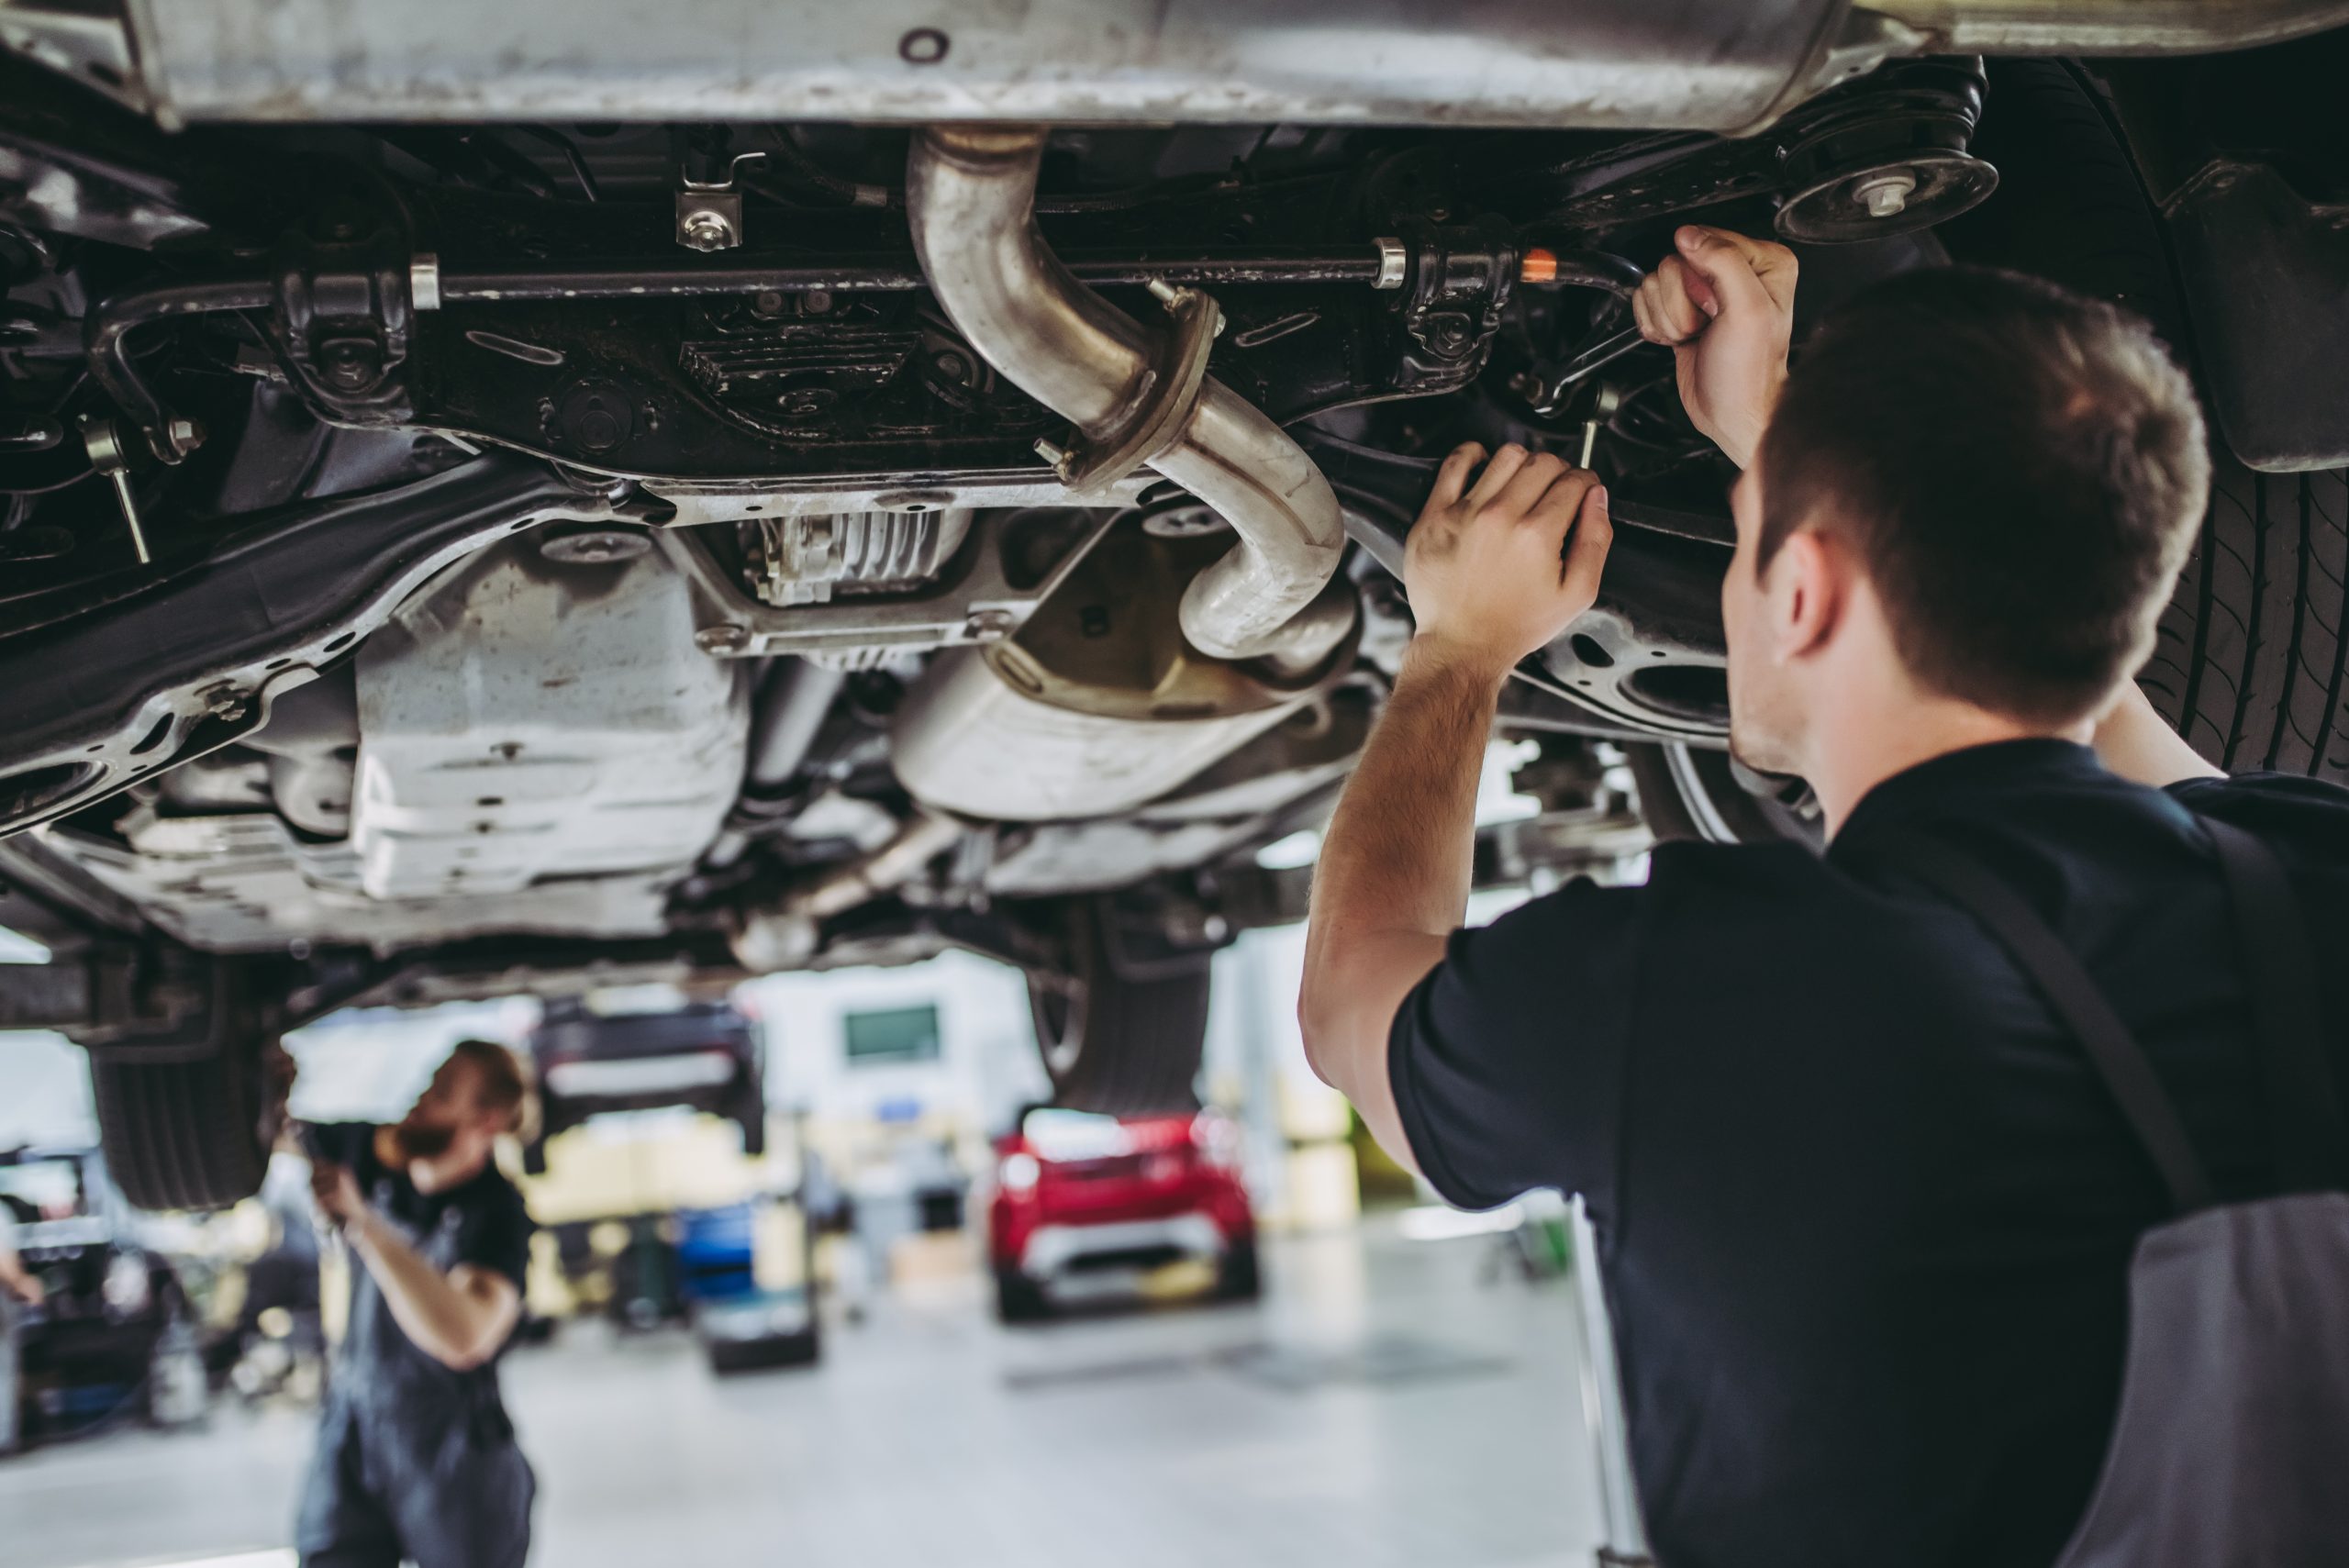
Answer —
535 717
245 884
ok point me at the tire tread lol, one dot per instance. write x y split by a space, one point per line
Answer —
2251 659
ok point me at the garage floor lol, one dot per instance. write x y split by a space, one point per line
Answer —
1383 1407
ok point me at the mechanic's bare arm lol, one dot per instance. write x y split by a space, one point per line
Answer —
17 1281
1492 574
459 1319
1724 304
2136 743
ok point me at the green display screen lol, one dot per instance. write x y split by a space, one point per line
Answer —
899 1034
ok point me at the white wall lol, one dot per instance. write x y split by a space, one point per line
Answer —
986 1069
369 1064
44 1091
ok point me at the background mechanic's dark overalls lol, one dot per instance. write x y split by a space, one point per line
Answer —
415 1460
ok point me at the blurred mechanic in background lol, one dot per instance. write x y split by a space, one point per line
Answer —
417 1459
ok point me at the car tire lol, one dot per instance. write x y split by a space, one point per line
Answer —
1689 792
2251 661
2251 656
1241 1276
1019 1299
1118 1040
193 1130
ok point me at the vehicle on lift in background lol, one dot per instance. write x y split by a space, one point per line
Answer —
1092 1206
113 1336
665 1219
611 1051
486 505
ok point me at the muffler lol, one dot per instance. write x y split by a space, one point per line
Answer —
1136 399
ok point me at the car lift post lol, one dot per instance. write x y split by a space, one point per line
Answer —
1623 1541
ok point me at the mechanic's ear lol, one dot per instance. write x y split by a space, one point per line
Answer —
1806 591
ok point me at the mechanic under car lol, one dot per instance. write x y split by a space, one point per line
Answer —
417 1459
1907 1160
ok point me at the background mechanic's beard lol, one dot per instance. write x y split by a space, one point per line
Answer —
423 1140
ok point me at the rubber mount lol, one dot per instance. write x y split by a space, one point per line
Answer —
1834 209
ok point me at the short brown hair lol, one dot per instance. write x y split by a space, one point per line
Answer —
2019 468
499 1083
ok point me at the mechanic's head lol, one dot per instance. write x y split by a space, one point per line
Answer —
478 1093
1975 488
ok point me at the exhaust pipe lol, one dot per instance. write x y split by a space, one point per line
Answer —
786 935
970 191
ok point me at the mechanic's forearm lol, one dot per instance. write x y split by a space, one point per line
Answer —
446 1323
1398 857
2137 743
1739 432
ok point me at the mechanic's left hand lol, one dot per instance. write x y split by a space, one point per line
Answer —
1496 569
337 1193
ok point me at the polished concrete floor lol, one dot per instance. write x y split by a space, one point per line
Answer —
1385 1404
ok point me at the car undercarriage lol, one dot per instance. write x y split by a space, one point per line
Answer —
477 523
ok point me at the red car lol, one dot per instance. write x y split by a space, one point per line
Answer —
1086 1204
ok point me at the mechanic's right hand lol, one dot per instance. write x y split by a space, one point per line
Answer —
1724 304
28 1289
1506 550
336 1191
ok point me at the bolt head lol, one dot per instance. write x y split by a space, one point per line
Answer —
185 433
707 231
722 639
1885 194
224 702
350 364
598 432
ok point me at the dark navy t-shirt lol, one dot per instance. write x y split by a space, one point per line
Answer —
492 1224
1864 1214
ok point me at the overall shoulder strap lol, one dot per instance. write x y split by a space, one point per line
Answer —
2111 1049
2311 1137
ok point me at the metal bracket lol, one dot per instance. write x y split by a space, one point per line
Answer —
709 211
1162 406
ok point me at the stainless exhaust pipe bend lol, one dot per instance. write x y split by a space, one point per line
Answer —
971 193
